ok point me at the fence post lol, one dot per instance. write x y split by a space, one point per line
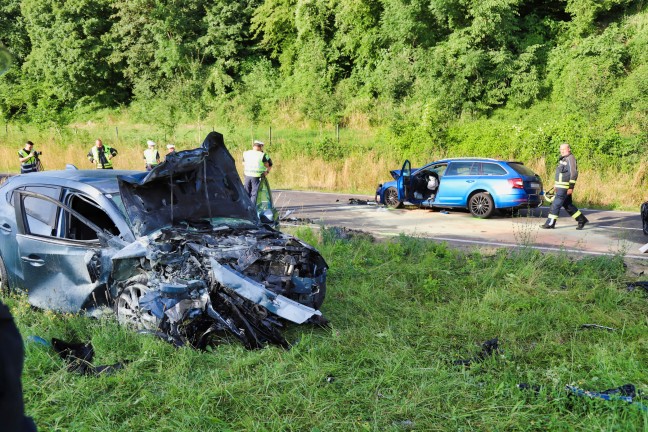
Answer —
337 132
270 142
117 133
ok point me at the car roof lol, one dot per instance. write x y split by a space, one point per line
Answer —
105 181
473 159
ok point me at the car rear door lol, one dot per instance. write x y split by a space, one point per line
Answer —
403 182
454 184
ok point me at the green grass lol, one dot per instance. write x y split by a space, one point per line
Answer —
401 312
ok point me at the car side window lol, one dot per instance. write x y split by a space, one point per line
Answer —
492 169
41 214
440 169
459 168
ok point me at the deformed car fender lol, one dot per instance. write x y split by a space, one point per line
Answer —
257 293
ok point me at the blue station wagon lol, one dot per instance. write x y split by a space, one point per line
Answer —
480 185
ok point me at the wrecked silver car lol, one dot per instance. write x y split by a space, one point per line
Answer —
179 251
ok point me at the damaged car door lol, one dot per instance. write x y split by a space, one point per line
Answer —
403 182
268 214
61 253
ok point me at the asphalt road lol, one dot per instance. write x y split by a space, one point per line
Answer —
608 233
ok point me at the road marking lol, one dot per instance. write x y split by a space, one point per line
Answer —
621 228
546 248
487 243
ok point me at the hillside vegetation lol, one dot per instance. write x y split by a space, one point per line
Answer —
410 78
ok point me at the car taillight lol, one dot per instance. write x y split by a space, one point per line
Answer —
516 183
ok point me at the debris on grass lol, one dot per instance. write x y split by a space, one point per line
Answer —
626 393
631 286
597 326
488 348
535 388
78 357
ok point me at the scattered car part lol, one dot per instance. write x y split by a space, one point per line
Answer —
488 348
631 286
626 393
596 326
79 356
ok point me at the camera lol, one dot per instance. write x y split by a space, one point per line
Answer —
38 153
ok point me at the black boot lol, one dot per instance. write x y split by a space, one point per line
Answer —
549 224
582 220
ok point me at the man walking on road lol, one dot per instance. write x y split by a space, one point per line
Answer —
564 182
256 164
102 155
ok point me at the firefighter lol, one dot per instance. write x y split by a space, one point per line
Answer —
102 155
256 164
565 180
151 156
28 158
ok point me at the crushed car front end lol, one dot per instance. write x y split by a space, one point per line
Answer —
204 269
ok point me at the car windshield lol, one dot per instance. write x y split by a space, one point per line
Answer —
521 169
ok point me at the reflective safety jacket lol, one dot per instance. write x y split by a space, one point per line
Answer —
254 163
28 165
152 157
97 157
566 172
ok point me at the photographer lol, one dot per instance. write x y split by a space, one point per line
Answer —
28 158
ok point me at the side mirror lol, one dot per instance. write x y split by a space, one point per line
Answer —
267 217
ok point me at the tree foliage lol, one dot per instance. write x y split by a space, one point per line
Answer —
415 66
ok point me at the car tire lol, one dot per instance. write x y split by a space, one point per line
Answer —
481 205
4 278
129 312
391 198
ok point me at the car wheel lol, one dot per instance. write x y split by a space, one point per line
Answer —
4 279
481 205
129 312
391 198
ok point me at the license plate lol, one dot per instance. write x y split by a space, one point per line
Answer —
535 185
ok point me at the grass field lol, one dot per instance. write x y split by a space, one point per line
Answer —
401 311
305 157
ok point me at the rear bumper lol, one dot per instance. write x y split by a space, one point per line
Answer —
521 201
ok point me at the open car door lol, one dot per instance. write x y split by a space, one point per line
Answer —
268 214
403 182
